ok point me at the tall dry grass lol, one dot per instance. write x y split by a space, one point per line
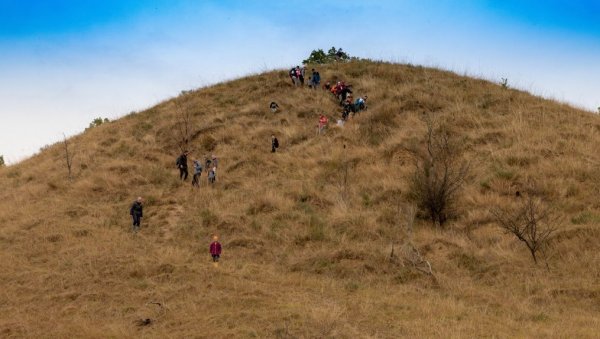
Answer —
306 253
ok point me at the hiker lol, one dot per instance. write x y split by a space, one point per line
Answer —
182 165
360 103
301 77
136 213
316 79
273 106
327 86
343 93
197 173
322 123
297 75
215 248
274 143
207 163
293 76
212 175
215 161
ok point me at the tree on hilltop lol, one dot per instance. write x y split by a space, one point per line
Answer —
318 56
2 161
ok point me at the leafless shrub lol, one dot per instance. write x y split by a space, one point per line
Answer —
184 127
439 175
531 222
69 155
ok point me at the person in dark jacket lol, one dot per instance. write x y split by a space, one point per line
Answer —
182 165
344 94
274 144
215 249
136 212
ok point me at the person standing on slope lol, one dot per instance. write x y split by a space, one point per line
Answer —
182 165
215 249
274 144
136 212
197 173
212 175
293 76
322 123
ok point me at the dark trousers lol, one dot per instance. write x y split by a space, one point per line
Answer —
183 173
215 257
136 222
195 180
273 149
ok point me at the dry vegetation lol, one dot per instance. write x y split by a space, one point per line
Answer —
306 247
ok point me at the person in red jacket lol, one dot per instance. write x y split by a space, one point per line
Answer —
215 248
322 123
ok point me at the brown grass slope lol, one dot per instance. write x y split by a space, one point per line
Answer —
305 255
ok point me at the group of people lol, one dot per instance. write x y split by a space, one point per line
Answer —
297 75
341 91
210 163
137 212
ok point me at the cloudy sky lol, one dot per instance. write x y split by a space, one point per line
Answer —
65 62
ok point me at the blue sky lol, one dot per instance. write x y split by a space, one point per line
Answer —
63 63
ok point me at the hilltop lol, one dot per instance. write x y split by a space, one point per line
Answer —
307 232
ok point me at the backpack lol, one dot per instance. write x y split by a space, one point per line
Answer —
178 161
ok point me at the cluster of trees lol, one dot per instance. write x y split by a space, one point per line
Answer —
97 122
318 56
2 161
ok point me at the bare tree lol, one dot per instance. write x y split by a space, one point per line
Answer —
439 174
69 155
184 127
531 222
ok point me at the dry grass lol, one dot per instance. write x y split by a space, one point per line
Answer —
306 253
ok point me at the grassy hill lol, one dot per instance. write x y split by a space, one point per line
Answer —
307 232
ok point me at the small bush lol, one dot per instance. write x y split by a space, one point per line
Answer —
531 222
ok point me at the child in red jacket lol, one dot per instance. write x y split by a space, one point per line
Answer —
215 248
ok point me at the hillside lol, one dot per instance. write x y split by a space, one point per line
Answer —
307 232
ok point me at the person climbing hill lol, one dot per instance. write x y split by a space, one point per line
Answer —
181 163
197 173
136 212
273 106
293 76
274 143
212 175
360 104
322 123
215 249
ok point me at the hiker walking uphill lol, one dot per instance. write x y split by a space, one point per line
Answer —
182 165
273 106
197 173
136 212
212 175
322 124
215 249
315 79
294 76
274 144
